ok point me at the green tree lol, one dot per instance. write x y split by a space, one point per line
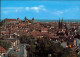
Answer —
1 23
23 39
5 45
45 47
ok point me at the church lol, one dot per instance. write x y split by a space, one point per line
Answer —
29 21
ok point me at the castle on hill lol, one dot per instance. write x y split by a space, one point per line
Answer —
10 21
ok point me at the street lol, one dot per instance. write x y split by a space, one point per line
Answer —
25 51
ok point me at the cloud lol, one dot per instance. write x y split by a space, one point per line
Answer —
58 12
7 10
39 8
27 8
11 8
36 8
65 12
69 10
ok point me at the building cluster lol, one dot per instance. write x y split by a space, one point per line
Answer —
67 34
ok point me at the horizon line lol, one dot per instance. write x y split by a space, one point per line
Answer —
41 19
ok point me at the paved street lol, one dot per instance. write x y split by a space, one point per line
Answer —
19 53
25 52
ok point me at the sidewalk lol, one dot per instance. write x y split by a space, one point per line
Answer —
20 53
25 51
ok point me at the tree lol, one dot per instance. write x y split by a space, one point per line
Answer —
68 53
1 23
23 39
44 47
5 45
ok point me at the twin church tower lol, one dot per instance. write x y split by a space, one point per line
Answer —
60 23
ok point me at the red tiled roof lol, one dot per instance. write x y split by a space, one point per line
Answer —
28 34
22 24
44 29
3 32
62 31
35 34
56 36
44 33
2 50
10 19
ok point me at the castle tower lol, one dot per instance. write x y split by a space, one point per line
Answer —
59 24
18 18
26 20
33 20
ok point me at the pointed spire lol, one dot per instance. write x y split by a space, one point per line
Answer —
62 19
59 19
18 18
59 23
33 18
25 17
62 23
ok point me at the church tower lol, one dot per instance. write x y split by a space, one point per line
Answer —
33 20
62 23
59 24
26 20
18 19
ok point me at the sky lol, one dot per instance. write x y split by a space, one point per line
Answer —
41 10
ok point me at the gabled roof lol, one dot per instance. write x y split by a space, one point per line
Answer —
22 24
2 50
44 29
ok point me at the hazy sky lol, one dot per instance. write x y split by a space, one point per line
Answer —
40 9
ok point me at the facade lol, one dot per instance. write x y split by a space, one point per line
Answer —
64 44
2 51
10 21
76 42
29 21
14 42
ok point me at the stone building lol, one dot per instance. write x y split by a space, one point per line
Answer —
29 21
10 21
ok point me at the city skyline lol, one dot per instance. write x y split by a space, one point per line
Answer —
48 10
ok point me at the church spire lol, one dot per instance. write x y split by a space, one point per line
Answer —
62 23
33 18
62 19
59 19
25 18
59 23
